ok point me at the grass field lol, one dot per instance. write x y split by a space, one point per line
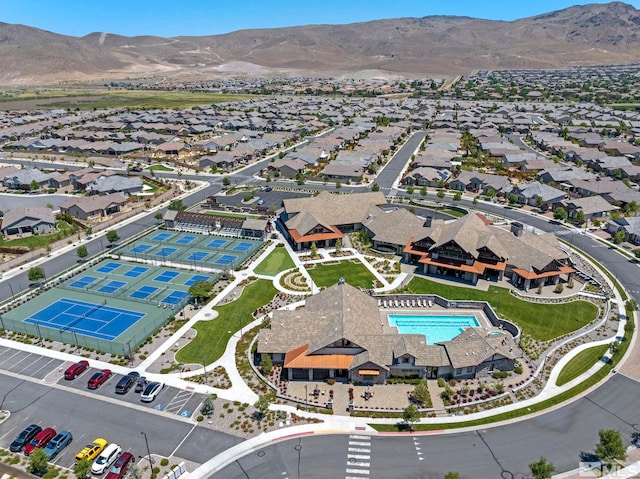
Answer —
581 363
213 336
356 274
279 260
158 168
41 241
541 321
101 99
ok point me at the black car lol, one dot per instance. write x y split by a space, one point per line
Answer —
126 382
141 384
24 437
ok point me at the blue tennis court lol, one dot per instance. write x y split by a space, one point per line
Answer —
111 287
186 240
140 248
217 243
175 297
135 272
166 276
197 256
242 246
83 282
162 237
143 292
195 278
90 319
164 252
108 268
226 259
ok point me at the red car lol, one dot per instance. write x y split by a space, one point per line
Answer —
98 378
121 466
41 440
76 369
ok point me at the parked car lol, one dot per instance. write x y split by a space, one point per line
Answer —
91 451
126 382
76 369
268 188
40 440
58 443
121 466
98 378
106 458
151 391
24 437
141 384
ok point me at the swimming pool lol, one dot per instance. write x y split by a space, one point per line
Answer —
436 328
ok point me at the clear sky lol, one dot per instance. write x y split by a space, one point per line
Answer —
170 18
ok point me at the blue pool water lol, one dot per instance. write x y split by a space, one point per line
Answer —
436 329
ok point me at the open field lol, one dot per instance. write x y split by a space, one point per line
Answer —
541 321
356 274
102 99
279 260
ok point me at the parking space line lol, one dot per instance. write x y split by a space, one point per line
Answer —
17 351
20 361
44 366
179 400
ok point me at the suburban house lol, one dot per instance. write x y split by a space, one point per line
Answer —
591 207
480 182
28 220
340 333
630 225
95 206
24 179
129 185
538 194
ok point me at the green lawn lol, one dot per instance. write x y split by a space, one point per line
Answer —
541 321
356 274
159 167
213 336
279 260
581 363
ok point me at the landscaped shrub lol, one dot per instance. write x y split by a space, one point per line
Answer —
500 374
441 382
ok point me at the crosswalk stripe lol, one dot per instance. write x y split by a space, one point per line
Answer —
358 456
359 449
358 471
355 436
359 443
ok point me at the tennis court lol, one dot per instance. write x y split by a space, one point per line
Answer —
192 249
89 319
108 307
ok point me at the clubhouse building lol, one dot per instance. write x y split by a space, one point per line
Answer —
340 333
468 248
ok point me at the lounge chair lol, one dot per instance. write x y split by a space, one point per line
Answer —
430 303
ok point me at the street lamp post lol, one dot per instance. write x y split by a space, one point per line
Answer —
204 368
306 398
75 338
146 441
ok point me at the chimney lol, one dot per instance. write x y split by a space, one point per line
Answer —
517 228
427 221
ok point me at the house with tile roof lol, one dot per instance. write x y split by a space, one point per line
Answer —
340 333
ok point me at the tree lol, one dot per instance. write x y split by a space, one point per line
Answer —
539 201
375 187
423 191
262 405
200 290
37 461
421 392
610 448
578 218
34 185
410 190
618 237
542 469
440 194
338 246
158 216
112 236
177 205
82 468
338 185
410 415
452 475
208 405
560 214
226 181
35 274
266 365
314 250
82 252
457 196
512 198
475 200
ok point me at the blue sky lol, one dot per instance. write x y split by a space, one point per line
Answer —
209 17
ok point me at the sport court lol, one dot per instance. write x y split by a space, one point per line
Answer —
192 249
107 307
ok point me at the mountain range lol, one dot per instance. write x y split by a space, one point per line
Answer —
433 46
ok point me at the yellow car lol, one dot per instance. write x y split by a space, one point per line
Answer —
91 451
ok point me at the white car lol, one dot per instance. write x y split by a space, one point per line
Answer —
151 391
107 457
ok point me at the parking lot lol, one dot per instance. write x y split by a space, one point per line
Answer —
171 400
